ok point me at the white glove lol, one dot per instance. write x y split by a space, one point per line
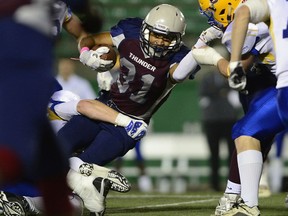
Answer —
206 55
92 59
237 79
105 80
207 36
136 129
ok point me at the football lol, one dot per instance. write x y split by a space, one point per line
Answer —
111 55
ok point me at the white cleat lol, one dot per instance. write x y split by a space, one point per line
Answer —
225 203
241 209
13 205
119 183
264 191
93 191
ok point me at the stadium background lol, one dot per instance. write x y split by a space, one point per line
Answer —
175 144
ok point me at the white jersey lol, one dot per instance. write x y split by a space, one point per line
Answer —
279 32
277 12
257 40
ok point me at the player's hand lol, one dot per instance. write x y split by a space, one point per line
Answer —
136 129
207 36
105 80
92 58
237 79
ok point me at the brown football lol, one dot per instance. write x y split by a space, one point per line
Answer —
111 55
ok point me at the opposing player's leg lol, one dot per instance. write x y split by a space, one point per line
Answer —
233 188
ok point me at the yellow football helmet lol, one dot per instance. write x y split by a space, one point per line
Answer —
219 12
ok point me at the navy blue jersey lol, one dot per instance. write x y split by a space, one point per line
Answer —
144 83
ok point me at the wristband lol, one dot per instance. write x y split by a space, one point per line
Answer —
122 120
84 49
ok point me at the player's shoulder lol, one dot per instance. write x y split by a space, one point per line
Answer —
178 56
131 21
129 27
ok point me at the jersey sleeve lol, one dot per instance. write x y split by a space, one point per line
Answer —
126 28
180 55
259 10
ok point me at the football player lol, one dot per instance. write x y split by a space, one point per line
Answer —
150 50
253 134
27 140
266 10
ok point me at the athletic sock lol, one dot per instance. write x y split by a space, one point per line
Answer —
250 167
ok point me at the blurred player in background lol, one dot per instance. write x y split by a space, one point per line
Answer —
71 81
218 117
73 25
254 133
27 140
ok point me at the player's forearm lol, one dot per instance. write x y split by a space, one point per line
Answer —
240 26
96 110
184 69
92 40
74 27
222 66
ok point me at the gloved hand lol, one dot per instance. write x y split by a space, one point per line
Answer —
105 80
207 36
92 58
237 79
136 129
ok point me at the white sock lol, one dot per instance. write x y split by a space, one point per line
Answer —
250 167
233 188
75 163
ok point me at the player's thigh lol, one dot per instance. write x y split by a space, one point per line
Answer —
110 143
78 133
262 120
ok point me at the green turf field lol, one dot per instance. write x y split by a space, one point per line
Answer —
195 203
